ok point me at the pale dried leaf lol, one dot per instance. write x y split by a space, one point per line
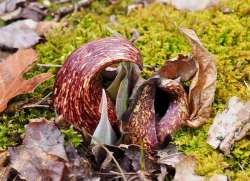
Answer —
202 88
104 132
230 125
192 5
24 33
11 72
11 15
169 155
19 34
185 170
9 5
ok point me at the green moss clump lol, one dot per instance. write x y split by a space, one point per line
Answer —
226 36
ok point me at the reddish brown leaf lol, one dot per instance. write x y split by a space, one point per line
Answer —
78 87
202 88
11 72
183 67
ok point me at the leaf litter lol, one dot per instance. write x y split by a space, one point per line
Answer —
199 68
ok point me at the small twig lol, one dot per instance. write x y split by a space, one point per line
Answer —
36 106
247 85
48 65
111 155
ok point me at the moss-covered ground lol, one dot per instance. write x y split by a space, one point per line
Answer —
226 36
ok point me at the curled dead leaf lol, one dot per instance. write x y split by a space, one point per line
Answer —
183 67
202 88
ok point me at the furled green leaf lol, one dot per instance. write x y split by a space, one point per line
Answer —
122 98
104 132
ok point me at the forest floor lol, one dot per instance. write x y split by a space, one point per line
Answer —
225 35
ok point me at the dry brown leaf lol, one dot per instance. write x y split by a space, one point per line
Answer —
202 88
4 168
44 26
42 155
182 66
11 76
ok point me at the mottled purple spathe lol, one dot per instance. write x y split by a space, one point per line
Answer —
77 91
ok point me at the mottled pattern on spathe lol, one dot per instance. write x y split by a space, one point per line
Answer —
77 92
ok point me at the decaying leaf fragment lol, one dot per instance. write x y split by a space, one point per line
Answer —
202 88
39 156
169 155
4 168
230 125
42 155
182 66
185 172
11 71
24 33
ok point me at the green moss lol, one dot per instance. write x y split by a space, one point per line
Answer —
226 36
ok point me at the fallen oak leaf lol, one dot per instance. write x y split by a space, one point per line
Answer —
202 88
11 72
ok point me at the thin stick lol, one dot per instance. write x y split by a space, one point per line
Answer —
36 106
247 85
48 65
111 155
